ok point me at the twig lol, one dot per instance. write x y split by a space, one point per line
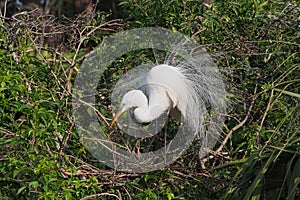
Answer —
238 125
127 192
4 10
66 139
82 39
140 8
189 176
91 106
100 195
264 116
198 32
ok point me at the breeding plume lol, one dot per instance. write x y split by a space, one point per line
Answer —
187 85
169 74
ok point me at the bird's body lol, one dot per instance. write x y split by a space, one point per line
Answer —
165 89
170 75
169 85
187 86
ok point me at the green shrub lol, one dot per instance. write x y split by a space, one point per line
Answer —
255 43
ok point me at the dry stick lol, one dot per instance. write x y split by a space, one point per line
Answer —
264 116
144 12
67 87
238 125
91 106
218 151
198 32
66 139
82 39
63 140
4 10
100 195
187 176
90 167
127 192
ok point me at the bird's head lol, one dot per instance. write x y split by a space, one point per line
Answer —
133 98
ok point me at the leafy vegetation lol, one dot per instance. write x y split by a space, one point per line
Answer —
255 44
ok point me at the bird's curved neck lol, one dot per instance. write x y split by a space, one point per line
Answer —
158 103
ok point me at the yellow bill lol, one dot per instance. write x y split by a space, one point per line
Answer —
115 118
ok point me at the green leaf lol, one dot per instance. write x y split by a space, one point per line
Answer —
292 94
20 190
16 172
34 184
294 181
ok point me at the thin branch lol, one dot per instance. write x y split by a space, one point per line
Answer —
264 116
4 9
141 8
238 125
100 195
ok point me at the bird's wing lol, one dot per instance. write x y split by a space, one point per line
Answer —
172 97
177 107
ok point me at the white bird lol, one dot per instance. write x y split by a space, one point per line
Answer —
186 83
187 86
166 88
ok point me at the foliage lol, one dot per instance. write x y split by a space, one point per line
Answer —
254 42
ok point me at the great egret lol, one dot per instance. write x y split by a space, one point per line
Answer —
184 82
187 85
167 89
